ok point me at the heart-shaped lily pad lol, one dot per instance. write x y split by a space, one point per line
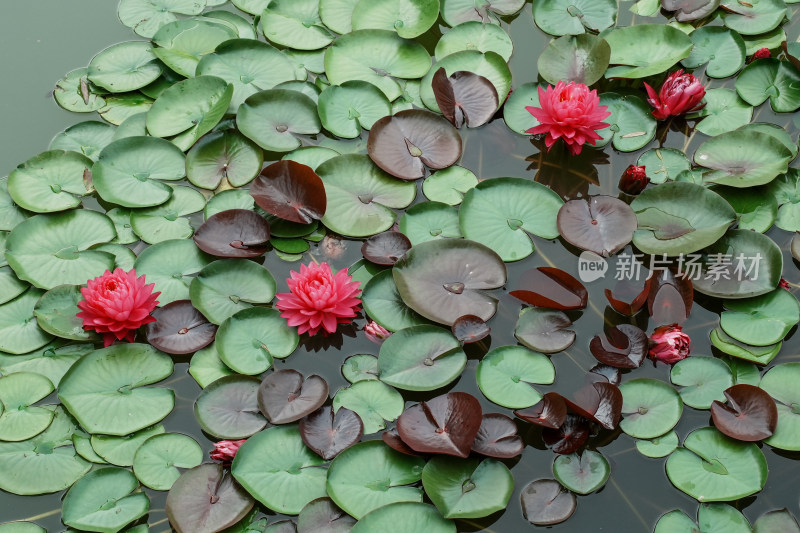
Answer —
180 328
157 461
421 358
346 109
104 500
467 488
19 419
228 408
545 502
250 339
645 49
328 434
445 424
624 346
506 376
753 19
582 474
470 328
650 406
780 382
285 397
409 18
762 320
742 158
223 155
290 191
170 265
373 401
703 380
749 415
544 330
601 224
429 221
385 248
581 59
51 181
465 98
497 437
474 35
272 119
228 286
383 303
237 233
324 516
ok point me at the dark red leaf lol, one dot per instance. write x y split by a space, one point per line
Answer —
553 288
446 424
600 224
604 373
291 191
327 434
550 412
669 298
465 97
180 328
404 144
628 297
545 502
750 414
497 437
625 346
599 402
385 248
284 397
470 328
323 516
239 233
569 436
393 440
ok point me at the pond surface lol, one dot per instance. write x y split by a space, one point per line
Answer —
43 40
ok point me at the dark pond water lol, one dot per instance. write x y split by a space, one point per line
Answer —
44 39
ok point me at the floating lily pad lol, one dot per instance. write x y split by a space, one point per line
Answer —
74 93
236 233
227 286
749 415
19 420
168 221
582 474
124 67
285 397
405 517
569 17
651 408
360 367
449 185
206 367
506 376
428 221
742 158
369 475
106 390
223 155
383 303
248 340
663 164
104 500
601 224
353 105
475 35
703 380
773 79
157 460
776 520
373 401
409 18
272 119
721 48
328 434
780 383
712 467
295 24
55 312
290 191
753 19
497 437
724 112
180 329
51 181
658 447
421 358
580 59
19 330
228 408
763 320
467 488
446 424
645 49
624 346
544 330
171 265
145 17
632 126
181 44
385 248
465 98
546 502
760 355
489 65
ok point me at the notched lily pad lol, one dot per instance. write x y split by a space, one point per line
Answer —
291 191
237 233
385 248
600 224
445 424
552 288
749 415
285 397
544 330
545 502
180 328
624 346
465 98
328 433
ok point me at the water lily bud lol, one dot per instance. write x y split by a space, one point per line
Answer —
681 93
761 53
376 333
669 344
225 450
633 180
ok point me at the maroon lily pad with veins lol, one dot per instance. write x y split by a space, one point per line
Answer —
552 288
446 424
237 233
404 144
568 437
600 224
599 402
628 297
284 397
385 248
497 437
669 298
180 328
550 412
465 97
750 414
393 440
291 191
323 516
545 502
327 433
470 328
604 374
625 346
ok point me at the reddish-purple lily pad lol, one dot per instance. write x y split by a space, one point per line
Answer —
385 248
625 346
284 397
404 144
470 328
206 499
550 412
497 437
669 298
552 288
446 424
323 516
604 373
465 97
239 233
600 224
180 328
568 437
327 433
599 402
545 502
628 297
291 191
750 414
392 439
688 10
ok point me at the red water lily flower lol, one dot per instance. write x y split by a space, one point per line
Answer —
669 344
117 304
761 53
225 450
376 333
569 111
681 93
319 300
633 180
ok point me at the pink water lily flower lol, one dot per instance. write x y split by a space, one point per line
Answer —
669 344
680 94
225 450
376 333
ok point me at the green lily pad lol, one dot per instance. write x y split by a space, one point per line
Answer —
475 35
120 107
646 49
383 303
663 164
310 156
10 213
124 67
295 24
762 320
489 65
428 221
467 488
712 467
206 367
189 109
449 185
500 213
337 14
774 131
244 27
455 12
776 520
51 181
518 118
781 383
583 473
409 18
19 331
181 44
360 367
84 448
133 126
650 408
742 158
631 125
405 517
369 475
227 286
770 40
75 93
254 7
721 48
753 18
373 401
157 460
711 517
506 376
679 217
145 17
21 527
228 408
345 109
129 172
44 464
658 447
277 468
10 285
760 355
249 340
87 138
171 265
51 360
55 312
223 155
166 221
574 17
229 199
272 119
104 500
703 380
106 390
361 196
769 78
786 191
544 330
421 358
377 57
19 420
580 59
724 112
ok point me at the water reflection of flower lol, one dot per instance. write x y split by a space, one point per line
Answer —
569 176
